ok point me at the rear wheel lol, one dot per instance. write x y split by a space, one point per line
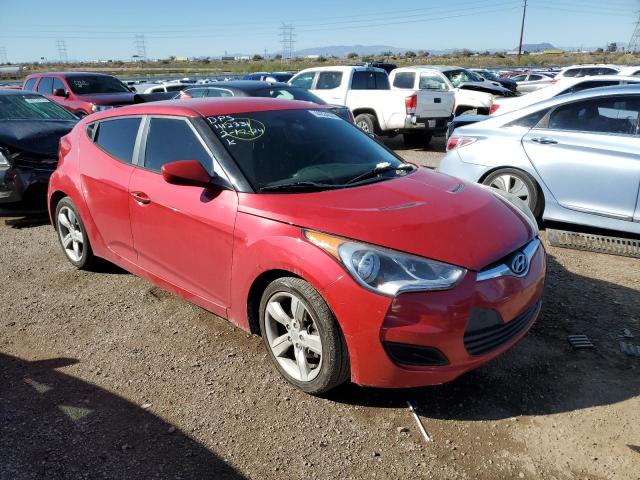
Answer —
366 122
302 336
520 184
73 235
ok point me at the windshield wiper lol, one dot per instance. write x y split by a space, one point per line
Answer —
299 186
381 168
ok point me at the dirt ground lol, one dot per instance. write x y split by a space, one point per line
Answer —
103 375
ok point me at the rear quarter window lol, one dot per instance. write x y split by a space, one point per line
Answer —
28 85
117 137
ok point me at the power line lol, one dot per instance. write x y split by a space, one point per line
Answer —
287 39
3 55
62 50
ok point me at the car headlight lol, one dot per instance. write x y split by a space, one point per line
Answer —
100 108
518 203
386 271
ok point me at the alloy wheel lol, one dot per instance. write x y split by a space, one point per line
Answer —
293 336
71 234
512 184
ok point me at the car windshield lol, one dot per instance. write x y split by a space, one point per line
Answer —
288 93
490 76
89 84
280 148
31 107
458 77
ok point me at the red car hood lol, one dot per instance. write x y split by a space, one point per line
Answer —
123 98
424 213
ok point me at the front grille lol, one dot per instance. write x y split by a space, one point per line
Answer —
486 331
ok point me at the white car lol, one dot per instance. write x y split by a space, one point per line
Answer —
630 71
167 87
531 82
446 79
417 114
561 87
588 70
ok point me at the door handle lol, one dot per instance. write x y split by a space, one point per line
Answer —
141 198
544 140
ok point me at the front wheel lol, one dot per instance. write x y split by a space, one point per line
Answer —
302 336
73 235
520 184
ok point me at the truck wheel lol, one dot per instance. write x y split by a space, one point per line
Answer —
417 139
366 122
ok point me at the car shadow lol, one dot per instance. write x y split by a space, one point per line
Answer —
542 374
21 217
57 426
437 144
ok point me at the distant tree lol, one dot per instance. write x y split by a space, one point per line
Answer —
352 55
277 57
599 50
387 53
486 53
322 59
410 54
499 55
612 47
423 53
257 58
466 52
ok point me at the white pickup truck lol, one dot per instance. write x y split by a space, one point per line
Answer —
378 109
472 93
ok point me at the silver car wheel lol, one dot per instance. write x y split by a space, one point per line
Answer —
364 126
71 235
293 337
513 185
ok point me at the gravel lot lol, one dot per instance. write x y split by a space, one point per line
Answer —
103 375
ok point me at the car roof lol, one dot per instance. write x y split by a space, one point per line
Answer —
243 85
13 91
592 65
66 74
341 68
206 107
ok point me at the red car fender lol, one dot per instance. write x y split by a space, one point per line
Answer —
262 245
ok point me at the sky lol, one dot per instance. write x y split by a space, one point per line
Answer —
106 30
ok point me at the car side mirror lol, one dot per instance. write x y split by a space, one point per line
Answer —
186 172
60 92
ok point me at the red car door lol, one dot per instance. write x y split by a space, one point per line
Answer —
182 234
105 169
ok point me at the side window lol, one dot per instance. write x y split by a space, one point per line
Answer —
590 84
607 71
218 92
636 73
172 139
528 121
57 83
572 72
304 80
535 77
45 86
363 80
432 82
404 80
519 78
117 137
382 81
28 85
328 80
603 115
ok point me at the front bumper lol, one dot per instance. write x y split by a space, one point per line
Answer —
23 185
455 323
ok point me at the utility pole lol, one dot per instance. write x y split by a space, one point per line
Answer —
62 50
140 45
3 55
287 38
524 14
634 43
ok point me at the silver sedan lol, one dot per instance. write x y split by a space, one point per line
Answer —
574 158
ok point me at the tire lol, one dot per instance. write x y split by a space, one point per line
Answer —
287 336
417 139
516 181
72 235
366 122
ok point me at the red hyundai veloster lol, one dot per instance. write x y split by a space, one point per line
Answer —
297 226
